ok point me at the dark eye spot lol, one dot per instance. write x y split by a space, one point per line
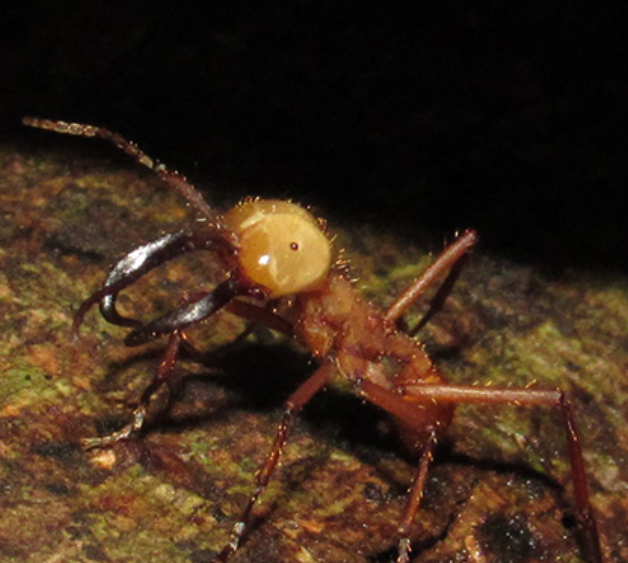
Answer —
294 246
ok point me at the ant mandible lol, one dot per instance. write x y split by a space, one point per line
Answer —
271 249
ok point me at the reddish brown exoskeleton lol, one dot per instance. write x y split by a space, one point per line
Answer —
275 249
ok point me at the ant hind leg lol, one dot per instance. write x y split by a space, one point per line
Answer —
418 395
452 259
414 500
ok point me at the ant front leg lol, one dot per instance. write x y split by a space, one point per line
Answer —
192 311
164 372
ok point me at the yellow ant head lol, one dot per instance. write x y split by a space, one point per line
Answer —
282 247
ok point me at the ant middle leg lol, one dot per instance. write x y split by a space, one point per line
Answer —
292 407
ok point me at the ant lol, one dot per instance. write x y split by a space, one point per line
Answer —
277 256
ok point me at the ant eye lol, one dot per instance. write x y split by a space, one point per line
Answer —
269 234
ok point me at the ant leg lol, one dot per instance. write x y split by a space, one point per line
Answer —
292 406
450 259
194 309
163 374
171 177
438 301
417 395
414 500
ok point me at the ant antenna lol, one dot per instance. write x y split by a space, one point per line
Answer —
171 177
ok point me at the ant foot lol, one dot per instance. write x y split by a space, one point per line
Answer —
404 550
123 434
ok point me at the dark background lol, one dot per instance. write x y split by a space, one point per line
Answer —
424 116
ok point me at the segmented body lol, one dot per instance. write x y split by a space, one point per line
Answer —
272 249
333 322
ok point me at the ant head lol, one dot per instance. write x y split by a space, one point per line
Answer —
281 246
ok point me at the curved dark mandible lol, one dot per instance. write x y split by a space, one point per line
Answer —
140 261
187 314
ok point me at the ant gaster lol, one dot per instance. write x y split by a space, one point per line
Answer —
271 249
